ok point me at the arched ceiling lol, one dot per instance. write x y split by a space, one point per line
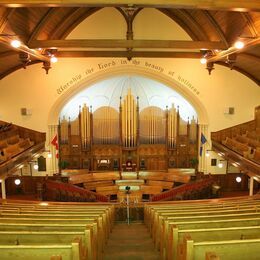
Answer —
211 27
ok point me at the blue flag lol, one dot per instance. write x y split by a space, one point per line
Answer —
203 140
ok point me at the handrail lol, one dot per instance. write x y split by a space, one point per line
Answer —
244 163
170 194
72 188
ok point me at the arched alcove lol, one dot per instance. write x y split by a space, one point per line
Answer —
128 70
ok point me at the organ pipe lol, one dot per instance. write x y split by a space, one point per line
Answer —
172 125
129 121
85 126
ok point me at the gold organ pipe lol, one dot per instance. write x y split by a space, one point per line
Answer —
131 122
128 119
85 125
105 125
123 122
153 125
169 127
172 122
134 122
88 126
125 118
150 126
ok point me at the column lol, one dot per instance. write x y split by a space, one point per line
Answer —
3 189
251 186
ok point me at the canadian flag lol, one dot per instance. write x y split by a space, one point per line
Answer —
55 143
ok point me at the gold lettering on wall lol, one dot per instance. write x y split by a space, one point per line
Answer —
102 66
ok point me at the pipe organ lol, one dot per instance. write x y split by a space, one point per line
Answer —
128 139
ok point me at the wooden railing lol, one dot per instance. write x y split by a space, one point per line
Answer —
193 186
35 144
233 131
52 186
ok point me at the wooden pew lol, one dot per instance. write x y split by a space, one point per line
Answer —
102 229
202 224
210 234
47 238
98 216
181 212
226 249
72 251
162 238
211 256
161 217
94 244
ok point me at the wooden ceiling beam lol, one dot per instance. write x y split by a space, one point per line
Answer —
128 54
223 54
24 48
112 43
230 5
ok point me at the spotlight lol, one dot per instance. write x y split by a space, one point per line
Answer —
203 60
54 59
239 45
35 167
238 179
49 155
207 153
16 43
17 182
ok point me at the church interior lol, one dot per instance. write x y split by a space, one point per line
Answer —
129 130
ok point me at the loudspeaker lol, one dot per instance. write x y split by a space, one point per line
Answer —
41 164
229 111
26 112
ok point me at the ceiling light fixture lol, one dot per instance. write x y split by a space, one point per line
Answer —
54 59
15 43
239 45
203 60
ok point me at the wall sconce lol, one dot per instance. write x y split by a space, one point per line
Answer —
238 179
17 182
208 153
221 164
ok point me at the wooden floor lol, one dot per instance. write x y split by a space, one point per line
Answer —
130 242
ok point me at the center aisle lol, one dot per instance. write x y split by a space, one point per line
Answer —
130 242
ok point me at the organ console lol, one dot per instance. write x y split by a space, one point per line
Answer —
151 139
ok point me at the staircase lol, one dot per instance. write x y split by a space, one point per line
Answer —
130 242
